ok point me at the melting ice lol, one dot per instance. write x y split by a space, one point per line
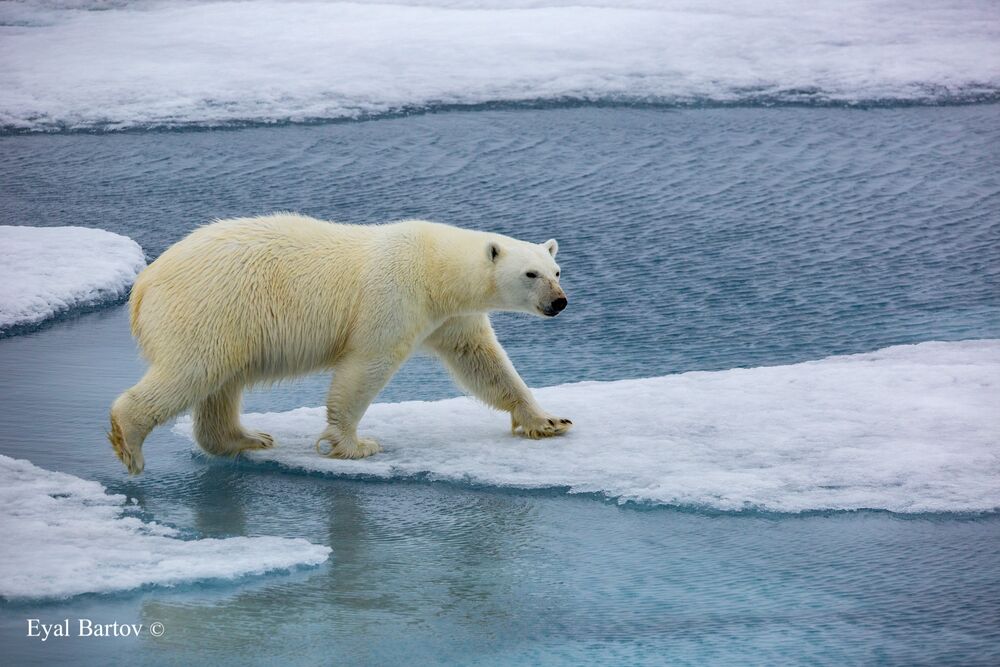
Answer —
178 63
48 270
911 428
64 536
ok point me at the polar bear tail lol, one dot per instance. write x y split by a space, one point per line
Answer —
135 304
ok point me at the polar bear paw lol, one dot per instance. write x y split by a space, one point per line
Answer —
333 445
243 441
253 440
131 457
539 426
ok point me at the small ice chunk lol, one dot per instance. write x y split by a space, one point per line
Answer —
65 536
45 271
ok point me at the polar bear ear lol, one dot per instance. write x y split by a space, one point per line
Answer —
493 251
552 246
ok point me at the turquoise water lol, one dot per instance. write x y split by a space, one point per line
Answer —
694 239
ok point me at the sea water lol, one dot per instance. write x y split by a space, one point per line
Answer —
700 239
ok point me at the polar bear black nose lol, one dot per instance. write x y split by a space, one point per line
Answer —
559 304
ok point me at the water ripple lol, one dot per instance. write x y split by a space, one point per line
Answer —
690 239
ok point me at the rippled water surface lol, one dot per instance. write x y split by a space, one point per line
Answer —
696 239
689 239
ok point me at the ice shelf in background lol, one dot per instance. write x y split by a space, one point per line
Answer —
136 65
64 536
46 271
911 428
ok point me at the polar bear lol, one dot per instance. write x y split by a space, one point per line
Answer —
251 300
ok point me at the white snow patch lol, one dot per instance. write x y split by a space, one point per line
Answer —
911 428
47 270
64 536
175 63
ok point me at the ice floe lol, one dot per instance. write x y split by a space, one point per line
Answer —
173 63
64 536
45 271
910 428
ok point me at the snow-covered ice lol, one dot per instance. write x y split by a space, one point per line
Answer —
168 63
64 536
908 429
45 271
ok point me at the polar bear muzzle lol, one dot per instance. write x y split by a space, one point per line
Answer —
555 307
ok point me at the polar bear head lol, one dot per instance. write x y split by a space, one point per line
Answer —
527 276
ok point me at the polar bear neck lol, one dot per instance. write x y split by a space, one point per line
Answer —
455 268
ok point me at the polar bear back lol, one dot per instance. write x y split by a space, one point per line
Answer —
285 294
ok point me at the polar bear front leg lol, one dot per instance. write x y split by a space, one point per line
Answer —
469 348
356 382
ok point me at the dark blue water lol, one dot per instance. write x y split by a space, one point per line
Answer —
690 239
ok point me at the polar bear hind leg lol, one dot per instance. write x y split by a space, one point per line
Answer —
156 398
357 379
217 425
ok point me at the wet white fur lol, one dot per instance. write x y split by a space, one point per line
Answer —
260 299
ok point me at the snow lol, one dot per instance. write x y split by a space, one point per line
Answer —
907 429
45 271
172 63
64 536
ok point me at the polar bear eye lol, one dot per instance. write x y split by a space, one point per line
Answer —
557 274
531 274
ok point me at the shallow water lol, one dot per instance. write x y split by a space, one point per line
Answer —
697 239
